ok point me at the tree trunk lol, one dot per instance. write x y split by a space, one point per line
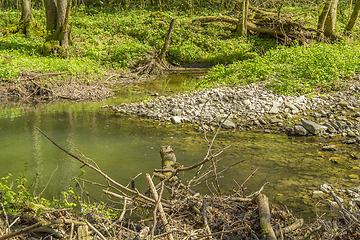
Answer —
354 16
323 15
241 28
26 14
26 21
330 23
57 19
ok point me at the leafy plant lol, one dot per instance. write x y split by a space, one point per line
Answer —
295 70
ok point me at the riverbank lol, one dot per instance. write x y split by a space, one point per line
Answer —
254 107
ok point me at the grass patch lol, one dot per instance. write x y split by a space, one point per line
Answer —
293 70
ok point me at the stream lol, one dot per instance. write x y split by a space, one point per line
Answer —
123 147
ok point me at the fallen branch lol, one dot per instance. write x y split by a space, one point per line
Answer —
161 210
264 215
110 180
39 225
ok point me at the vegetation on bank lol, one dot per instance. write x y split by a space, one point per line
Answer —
296 70
118 40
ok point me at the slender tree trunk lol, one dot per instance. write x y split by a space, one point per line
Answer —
27 22
26 14
241 28
354 16
323 15
330 23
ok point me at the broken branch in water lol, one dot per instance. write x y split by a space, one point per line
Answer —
110 180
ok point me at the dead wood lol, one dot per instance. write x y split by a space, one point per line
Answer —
158 203
264 213
154 63
110 180
283 27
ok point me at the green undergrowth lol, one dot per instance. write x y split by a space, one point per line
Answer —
119 39
18 196
293 70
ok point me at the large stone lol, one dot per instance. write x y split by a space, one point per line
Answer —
176 119
275 107
293 108
313 127
226 123
176 112
300 130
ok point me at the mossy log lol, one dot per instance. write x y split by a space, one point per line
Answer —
264 213
168 161
282 27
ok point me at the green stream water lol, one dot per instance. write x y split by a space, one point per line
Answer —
124 147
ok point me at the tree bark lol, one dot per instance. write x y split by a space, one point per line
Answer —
264 213
241 28
330 23
354 16
57 19
51 15
26 14
167 40
323 15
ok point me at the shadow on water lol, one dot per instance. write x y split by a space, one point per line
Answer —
124 147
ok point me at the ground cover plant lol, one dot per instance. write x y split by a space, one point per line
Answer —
113 40
295 70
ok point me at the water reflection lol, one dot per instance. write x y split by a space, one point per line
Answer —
124 147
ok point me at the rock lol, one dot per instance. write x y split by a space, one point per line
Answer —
343 103
313 127
329 148
275 107
350 141
351 133
341 118
176 112
275 120
293 108
227 123
176 119
247 102
300 130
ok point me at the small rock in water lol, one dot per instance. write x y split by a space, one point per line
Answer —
350 141
329 148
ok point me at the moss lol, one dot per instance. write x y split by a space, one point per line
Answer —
51 47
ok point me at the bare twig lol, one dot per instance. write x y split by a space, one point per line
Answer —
161 210
251 175
95 230
6 217
155 210
99 171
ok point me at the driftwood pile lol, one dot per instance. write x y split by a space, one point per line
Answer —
183 214
31 86
285 28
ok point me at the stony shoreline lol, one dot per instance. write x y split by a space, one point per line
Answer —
256 107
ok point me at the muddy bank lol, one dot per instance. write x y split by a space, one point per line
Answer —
38 87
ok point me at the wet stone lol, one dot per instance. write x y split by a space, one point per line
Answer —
300 130
313 127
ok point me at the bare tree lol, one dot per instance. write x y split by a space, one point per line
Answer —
241 28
